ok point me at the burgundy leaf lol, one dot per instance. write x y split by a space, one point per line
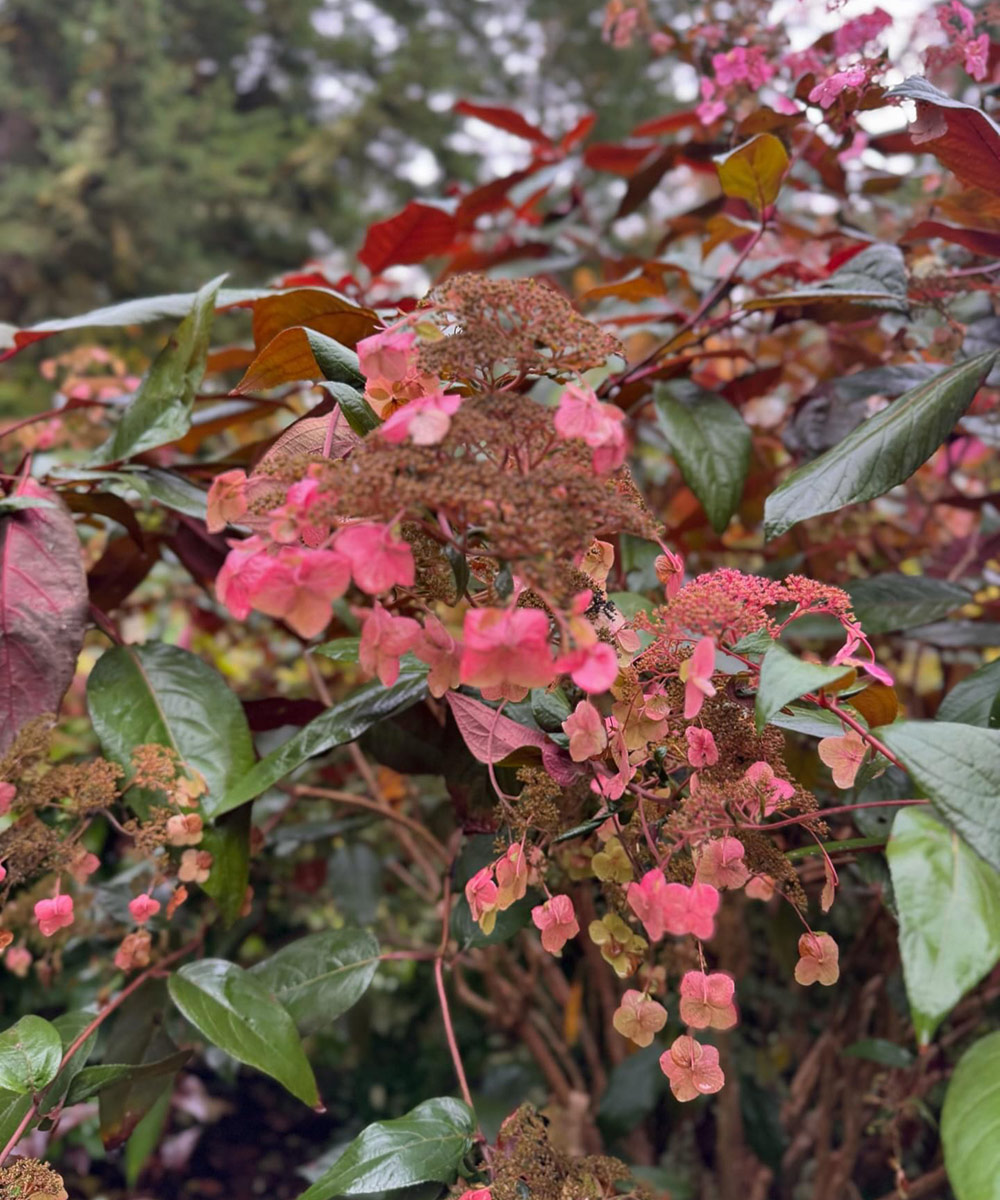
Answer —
490 738
504 118
43 609
960 136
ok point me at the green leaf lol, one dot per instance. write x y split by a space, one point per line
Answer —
228 842
337 362
808 719
754 171
882 452
784 678
634 1088
878 1050
160 411
874 278
976 700
235 1012
426 1145
342 650
970 1122
136 1038
30 1054
758 642
711 443
145 1137
948 902
320 976
336 727
550 708
884 603
958 767
358 413
91 1081
163 694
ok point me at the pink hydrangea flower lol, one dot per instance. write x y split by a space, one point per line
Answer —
669 568
690 909
436 647
556 921
55 914
856 34
511 871
601 426
696 675
296 585
955 16
17 960
638 1018
593 668
645 898
425 421
818 962
844 756
709 110
720 862
702 750
476 1194
290 522
761 887
142 908
7 793
384 638
184 829
976 55
481 893
825 92
506 651
378 560
392 373
227 501
83 865
707 1000
761 775
693 1069
587 734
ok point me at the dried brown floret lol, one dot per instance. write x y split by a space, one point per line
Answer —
509 327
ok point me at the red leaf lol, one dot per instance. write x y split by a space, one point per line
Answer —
420 231
489 197
618 159
668 124
43 609
979 241
578 132
503 118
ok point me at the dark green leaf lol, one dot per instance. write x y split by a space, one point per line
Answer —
342 650
228 842
758 642
30 1054
358 413
512 920
93 1080
970 1122
168 488
808 719
886 1054
354 877
235 1011
336 727
146 1136
160 411
948 901
873 278
883 603
426 1145
320 976
136 1038
163 694
338 363
958 767
784 678
634 1087
958 632
550 708
711 443
882 452
974 700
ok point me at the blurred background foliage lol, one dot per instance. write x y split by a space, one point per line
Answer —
151 145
